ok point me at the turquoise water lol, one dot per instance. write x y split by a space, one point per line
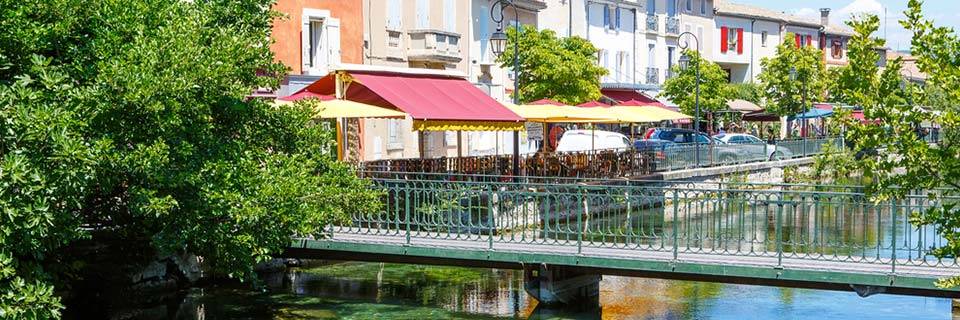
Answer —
354 290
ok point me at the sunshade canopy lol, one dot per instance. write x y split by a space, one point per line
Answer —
338 108
812 114
592 104
637 103
743 106
621 95
550 113
436 102
760 116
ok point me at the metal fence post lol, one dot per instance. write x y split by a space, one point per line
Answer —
583 200
406 213
490 212
779 232
893 236
676 244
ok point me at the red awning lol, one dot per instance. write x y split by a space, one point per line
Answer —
423 97
621 95
594 103
823 106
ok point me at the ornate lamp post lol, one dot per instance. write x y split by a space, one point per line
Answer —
684 64
498 42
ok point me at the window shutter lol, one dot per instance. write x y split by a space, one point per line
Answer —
796 38
809 40
606 15
333 41
393 14
739 40
618 18
723 40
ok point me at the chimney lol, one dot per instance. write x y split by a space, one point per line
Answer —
824 16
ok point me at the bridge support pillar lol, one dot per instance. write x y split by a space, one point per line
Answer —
561 286
955 308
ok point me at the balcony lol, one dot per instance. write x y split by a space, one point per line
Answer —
653 76
434 46
673 26
653 22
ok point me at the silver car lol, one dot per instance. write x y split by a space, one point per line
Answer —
751 148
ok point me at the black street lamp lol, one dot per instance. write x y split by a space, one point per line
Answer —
684 64
498 42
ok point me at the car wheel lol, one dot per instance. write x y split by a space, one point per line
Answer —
776 156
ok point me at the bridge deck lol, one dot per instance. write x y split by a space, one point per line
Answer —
761 269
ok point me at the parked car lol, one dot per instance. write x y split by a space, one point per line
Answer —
586 140
751 148
659 139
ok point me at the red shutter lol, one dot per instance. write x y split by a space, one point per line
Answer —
809 40
723 40
739 40
796 38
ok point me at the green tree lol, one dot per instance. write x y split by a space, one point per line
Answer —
907 162
714 90
746 91
784 96
132 116
562 69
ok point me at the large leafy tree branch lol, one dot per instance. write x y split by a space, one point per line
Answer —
562 69
132 117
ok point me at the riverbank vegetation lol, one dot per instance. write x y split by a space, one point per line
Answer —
133 117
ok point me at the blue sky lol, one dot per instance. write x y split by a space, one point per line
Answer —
943 13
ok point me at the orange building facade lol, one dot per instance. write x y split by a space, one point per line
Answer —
314 34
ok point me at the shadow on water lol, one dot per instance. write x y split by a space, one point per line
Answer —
354 290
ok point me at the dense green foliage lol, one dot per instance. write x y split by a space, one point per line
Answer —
746 91
131 116
561 69
714 90
784 96
906 162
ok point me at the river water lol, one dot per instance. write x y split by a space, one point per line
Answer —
356 290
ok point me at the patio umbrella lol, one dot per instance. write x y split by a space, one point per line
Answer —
594 103
743 106
339 108
304 95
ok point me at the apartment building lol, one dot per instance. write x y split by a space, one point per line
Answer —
312 35
746 34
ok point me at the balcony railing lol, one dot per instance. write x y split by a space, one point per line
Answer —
434 45
653 22
653 76
673 25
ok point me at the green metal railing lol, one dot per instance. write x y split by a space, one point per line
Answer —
752 220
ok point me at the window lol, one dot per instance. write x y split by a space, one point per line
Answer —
763 38
394 14
450 15
423 14
732 39
671 52
836 49
484 29
394 138
651 55
320 39
689 5
617 25
606 15
671 8
652 6
703 7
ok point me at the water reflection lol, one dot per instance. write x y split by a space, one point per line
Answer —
395 291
